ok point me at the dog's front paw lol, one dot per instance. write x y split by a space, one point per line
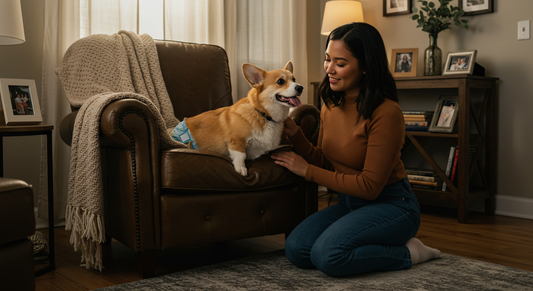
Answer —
241 170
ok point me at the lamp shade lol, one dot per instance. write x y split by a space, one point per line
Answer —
11 25
337 13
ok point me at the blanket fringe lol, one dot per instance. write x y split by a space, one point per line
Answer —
87 234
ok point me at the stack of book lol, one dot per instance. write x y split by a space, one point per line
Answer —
417 120
424 179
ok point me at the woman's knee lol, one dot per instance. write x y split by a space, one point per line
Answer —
328 261
296 253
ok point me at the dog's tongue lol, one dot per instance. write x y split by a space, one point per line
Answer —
295 101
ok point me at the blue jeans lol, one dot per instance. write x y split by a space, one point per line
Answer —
357 236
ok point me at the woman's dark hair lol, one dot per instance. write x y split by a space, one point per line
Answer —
366 45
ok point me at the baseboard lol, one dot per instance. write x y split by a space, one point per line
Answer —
514 206
41 223
506 205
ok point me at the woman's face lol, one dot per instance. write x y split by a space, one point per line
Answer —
342 68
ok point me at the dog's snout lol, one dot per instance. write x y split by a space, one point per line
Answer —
299 88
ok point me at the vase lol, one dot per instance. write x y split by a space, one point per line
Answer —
432 58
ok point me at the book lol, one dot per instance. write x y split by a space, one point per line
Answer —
417 182
416 119
417 123
424 178
421 172
449 165
454 167
417 112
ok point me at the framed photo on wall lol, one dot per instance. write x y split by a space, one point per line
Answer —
445 115
396 7
460 63
20 102
404 62
473 7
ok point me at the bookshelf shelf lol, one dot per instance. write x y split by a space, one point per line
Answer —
485 138
430 134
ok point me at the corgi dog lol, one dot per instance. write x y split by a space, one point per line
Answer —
252 126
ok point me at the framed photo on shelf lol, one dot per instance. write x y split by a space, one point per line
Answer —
473 7
404 62
396 7
20 102
460 63
445 115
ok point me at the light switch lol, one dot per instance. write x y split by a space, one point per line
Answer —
523 30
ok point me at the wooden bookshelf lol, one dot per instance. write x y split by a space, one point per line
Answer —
484 136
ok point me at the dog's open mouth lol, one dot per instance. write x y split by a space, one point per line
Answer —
293 101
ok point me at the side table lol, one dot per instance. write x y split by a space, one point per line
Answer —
26 130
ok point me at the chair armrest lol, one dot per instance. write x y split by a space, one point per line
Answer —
308 118
111 122
66 127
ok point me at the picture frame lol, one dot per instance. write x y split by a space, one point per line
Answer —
462 62
474 7
404 62
445 115
396 7
20 102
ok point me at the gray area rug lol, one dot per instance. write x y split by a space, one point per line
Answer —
273 271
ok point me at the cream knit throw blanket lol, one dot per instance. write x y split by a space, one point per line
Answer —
96 70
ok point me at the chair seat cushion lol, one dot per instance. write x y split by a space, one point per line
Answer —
198 170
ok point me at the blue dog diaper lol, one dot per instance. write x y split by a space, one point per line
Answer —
181 133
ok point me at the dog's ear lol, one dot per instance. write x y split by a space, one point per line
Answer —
289 66
253 74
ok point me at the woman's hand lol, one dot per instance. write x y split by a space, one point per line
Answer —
290 128
292 161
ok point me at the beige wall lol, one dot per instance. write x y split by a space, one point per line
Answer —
22 154
494 36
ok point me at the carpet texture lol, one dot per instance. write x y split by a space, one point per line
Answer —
273 271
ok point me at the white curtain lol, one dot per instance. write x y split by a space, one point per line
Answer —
266 33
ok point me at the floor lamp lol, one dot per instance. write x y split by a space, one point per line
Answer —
11 25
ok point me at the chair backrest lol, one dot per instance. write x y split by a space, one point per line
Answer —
197 76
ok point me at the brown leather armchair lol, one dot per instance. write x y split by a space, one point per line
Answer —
182 197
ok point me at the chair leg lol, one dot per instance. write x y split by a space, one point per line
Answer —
146 262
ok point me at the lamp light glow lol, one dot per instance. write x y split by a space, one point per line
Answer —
337 13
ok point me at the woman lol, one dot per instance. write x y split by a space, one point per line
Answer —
405 67
373 225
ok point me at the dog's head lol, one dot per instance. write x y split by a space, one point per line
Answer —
278 86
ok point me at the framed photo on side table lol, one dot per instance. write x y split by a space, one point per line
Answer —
445 115
396 7
404 62
20 102
473 7
460 63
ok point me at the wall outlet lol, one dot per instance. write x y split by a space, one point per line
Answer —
523 30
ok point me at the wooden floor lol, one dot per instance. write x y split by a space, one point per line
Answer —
497 239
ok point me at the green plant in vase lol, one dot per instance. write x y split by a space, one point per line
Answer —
434 20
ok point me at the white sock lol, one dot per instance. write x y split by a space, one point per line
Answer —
420 252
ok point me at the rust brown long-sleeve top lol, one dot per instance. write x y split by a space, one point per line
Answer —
356 159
